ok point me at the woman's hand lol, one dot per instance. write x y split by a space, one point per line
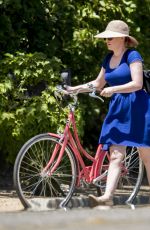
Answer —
69 89
107 92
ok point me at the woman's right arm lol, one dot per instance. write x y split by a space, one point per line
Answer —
98 83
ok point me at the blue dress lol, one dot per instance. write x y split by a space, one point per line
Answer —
127 122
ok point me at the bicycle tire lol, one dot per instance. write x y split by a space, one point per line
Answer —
129 182
35 188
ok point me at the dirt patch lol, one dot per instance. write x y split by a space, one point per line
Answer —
9 202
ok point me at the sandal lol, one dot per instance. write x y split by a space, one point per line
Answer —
95 201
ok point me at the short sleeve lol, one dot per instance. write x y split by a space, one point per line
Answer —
106 60
134 56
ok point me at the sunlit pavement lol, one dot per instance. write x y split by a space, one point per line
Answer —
78 216
118 217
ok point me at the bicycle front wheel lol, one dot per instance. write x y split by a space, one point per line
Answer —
131 174
36 186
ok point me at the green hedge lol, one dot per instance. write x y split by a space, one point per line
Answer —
27 108
40 37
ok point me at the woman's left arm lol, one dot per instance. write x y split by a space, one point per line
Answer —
136 69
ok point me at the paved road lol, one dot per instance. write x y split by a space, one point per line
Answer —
122 218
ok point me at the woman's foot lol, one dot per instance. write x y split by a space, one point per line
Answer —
102 200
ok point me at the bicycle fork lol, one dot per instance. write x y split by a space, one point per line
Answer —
52 164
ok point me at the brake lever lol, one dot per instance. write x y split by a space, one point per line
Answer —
59 87
95 96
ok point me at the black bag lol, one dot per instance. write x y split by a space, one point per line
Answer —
146 80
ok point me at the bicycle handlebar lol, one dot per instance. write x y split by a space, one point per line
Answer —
62 91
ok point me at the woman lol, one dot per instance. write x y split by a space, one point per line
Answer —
127 122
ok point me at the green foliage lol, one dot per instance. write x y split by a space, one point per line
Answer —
40 37
26 108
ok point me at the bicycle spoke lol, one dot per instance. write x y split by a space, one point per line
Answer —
33 182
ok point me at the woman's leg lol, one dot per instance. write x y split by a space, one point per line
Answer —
145 156
117 154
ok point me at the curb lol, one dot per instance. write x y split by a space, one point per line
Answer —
83 201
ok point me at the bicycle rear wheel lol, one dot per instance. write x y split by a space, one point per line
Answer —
35 186
131 174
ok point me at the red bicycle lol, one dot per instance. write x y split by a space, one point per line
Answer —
51 165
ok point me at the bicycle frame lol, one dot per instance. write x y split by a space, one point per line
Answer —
88 173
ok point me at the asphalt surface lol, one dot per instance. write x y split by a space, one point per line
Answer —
79 216
82 218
